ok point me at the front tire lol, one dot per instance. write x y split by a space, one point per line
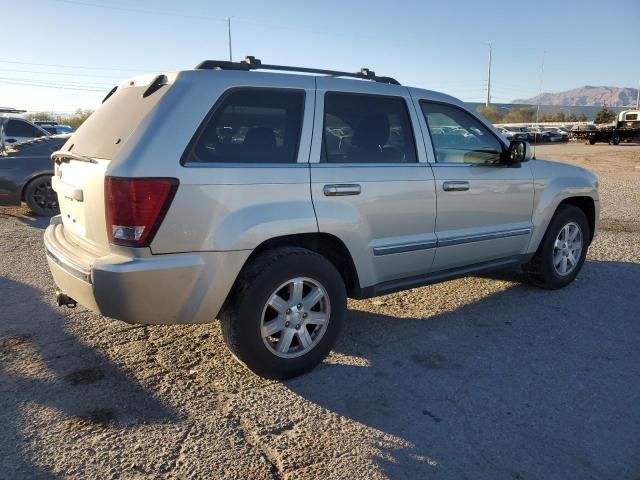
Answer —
284 313
562 251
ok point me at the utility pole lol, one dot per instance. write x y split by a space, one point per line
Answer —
489 78
638 97
229 31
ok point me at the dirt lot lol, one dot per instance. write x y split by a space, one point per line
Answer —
480 378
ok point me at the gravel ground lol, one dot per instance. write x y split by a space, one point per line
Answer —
479 378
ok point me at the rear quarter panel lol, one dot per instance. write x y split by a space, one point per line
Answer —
220 207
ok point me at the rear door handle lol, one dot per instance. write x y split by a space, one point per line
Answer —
341 189
455 186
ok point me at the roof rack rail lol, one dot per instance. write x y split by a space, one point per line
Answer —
252 63
11 110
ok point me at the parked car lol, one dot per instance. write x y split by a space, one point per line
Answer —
514 133
265 199
17 130
557 134
54 128
25 174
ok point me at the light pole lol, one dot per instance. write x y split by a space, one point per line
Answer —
229 32
489 78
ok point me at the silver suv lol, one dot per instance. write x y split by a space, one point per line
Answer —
266 199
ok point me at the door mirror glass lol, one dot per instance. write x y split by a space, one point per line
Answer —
519 151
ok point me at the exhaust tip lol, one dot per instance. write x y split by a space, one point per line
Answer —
64 300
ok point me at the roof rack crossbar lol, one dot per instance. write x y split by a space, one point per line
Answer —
252 63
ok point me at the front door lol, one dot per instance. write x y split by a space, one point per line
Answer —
370 181
484 206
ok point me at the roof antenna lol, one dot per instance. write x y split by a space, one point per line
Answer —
535 135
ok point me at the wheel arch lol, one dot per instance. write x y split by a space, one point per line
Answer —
30 180
325 244
587 205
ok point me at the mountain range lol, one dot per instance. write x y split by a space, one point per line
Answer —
586 96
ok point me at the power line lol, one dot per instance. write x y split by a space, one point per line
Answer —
139 10
80 67
60 73
44 85
58 82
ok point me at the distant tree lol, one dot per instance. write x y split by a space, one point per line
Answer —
582 117
604 115
571 117
39 116
77 118
545 117
558 117
521 115
491 113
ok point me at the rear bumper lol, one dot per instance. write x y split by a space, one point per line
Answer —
161 289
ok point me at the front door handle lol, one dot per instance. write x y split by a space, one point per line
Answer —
341 189
455 186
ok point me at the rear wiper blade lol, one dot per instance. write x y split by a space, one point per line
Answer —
62 156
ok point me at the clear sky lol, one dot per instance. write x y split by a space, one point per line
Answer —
64 54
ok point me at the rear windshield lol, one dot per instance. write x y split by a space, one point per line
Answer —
109 127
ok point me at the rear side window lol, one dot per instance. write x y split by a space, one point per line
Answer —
18 128
366 129
252 126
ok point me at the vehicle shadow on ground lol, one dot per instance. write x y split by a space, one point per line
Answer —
28 218
524 383
80 383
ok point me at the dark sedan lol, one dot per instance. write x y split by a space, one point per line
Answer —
25 174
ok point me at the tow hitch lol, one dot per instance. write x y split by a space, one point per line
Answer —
64 300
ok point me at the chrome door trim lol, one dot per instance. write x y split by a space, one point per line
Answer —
446 242
404 247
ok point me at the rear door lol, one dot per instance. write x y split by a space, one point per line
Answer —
484 206
370 182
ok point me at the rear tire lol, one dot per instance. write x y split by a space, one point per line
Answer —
270 322
591 141
558 261
615 139
41 198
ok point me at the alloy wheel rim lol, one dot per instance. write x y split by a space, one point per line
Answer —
567 249
295 317
45 197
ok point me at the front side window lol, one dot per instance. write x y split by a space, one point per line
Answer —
252 126
366 129
458 137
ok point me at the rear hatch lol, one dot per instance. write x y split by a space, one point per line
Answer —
81 164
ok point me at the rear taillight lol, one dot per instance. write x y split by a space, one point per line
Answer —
135 208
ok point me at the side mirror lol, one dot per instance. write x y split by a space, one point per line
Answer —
519 151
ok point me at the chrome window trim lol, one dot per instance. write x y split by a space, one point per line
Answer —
244 165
